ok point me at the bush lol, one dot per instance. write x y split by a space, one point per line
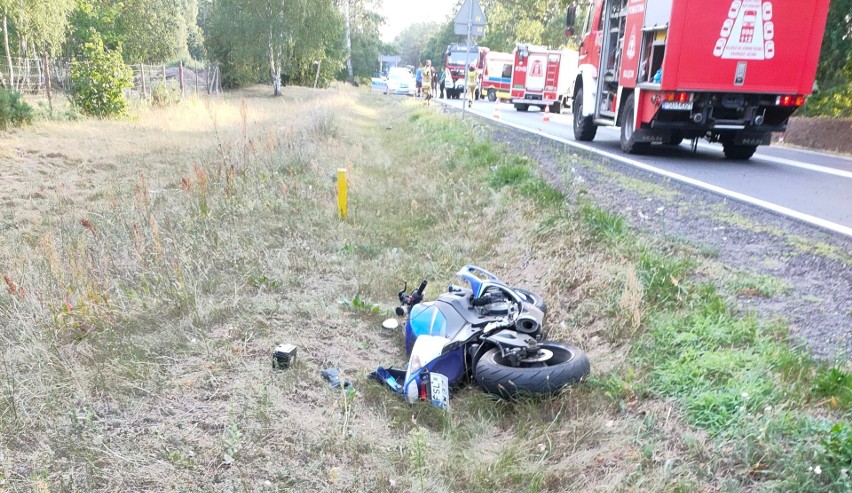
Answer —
164 95
98 82
835 102
14 111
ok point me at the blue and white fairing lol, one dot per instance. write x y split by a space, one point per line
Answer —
426 337
450 318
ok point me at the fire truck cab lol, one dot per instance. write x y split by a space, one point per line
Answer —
456 58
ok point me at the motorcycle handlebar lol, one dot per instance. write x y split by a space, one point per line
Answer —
415 297
482 300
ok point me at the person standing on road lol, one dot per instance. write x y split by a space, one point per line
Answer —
471 84
418 80
445 77
434 83
428 74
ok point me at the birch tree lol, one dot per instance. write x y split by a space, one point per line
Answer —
284 36
364 43
4 11
39 27
347 21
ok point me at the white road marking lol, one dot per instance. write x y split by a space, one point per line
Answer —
801 216
777 160
790 162
829 155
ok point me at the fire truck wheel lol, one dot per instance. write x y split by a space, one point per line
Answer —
738 152
584 126
492 95
628 136
522 107
556 107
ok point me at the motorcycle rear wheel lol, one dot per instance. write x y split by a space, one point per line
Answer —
567 364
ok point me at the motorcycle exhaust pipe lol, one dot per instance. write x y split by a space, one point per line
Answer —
527 325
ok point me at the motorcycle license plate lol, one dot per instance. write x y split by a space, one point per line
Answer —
439 390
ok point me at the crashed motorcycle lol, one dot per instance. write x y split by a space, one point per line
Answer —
488 332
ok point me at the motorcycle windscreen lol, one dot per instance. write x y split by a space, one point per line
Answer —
424 320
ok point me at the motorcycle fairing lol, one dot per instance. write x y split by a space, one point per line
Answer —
428 354
475 276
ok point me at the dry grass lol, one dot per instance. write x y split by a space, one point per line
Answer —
151 265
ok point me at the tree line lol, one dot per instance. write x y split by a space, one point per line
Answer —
288 41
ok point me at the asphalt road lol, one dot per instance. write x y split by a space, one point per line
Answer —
808 186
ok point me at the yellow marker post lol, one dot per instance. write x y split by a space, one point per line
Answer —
342 203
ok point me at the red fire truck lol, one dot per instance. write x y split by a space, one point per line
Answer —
455 58
542 77
730 71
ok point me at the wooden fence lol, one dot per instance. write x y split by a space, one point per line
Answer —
34 76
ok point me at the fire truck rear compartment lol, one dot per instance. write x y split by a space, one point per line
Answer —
723 117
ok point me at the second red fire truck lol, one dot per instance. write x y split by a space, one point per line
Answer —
542 77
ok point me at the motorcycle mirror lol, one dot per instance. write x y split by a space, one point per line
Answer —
400 311
390 324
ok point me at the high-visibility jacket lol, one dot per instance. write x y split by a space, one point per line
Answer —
471 78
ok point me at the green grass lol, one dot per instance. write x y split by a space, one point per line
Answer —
143 359
517 173
727 371
663 276
757 285
737 378
602 224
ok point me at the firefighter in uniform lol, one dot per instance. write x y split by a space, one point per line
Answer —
428 74
471 84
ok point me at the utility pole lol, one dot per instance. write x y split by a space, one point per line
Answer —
467 56
470 21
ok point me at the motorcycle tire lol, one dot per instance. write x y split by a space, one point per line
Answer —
567 365
532 298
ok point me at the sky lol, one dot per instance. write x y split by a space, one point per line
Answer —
400 14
